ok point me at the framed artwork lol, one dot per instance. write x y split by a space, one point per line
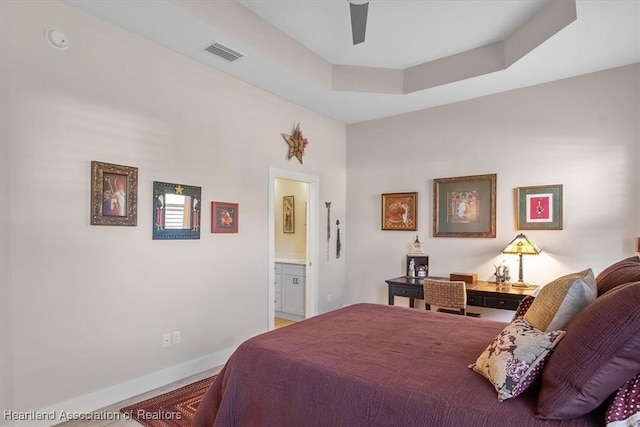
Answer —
224 217
288 215
114 194
539 207
400 211
465 206
176 211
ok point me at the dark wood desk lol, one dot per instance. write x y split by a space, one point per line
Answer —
479 294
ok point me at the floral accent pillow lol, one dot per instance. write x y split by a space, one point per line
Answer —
624 409
516 357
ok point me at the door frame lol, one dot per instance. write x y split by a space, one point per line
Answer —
311 275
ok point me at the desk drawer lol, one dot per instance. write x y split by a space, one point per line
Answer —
506 304
476 300
408 292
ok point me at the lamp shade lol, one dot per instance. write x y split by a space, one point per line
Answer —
521 245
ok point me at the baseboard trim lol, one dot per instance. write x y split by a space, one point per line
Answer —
96 401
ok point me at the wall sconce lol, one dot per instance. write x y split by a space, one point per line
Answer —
521 246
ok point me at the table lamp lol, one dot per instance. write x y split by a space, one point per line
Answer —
521 246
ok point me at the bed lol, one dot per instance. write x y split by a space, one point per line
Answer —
369 365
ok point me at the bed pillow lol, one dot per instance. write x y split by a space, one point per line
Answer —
600 351
560 300
523 306
624 408
515 357
624 271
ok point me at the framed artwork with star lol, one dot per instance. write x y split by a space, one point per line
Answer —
176 211
539 207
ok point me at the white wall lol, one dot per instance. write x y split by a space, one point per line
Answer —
84 307
580 132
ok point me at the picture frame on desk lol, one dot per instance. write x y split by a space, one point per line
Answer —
420 261
465 206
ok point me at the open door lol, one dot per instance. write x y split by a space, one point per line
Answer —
311 259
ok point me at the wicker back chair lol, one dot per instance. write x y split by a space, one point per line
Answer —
445 293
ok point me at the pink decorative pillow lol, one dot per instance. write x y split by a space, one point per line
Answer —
624 409
600 351
624 271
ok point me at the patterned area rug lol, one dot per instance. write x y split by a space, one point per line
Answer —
172 409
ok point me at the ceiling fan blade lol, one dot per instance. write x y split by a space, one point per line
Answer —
358 21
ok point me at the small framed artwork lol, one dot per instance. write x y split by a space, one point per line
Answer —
288 215
539 207
176 211
114 194
465 206
400 211
224 217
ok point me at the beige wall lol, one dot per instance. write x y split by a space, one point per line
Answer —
580 132
84 307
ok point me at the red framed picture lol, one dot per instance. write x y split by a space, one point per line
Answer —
224 217
539 207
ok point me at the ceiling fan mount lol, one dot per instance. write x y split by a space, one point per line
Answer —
359 10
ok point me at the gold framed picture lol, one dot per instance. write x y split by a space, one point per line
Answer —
465 206
114 194
400 211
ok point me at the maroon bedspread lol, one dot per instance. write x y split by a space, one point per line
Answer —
367 365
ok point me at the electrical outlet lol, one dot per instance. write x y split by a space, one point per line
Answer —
166 340
329 298
176 337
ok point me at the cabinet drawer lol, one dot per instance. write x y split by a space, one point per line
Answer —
278 268
475 300
506 304
293 270
408 292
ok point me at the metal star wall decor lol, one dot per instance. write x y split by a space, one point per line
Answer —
297 143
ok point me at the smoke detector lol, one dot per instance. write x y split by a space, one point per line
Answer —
56 39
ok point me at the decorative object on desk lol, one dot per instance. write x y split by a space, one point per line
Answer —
416 247
224 217
176 211
465 206
419 262
328 205
114 194
465 277
539 207
521 246
399 211
502 273
338 244
297 143
288 214
422 271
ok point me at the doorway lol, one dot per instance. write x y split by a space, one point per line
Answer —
305 224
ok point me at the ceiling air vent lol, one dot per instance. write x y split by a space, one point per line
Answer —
224 52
